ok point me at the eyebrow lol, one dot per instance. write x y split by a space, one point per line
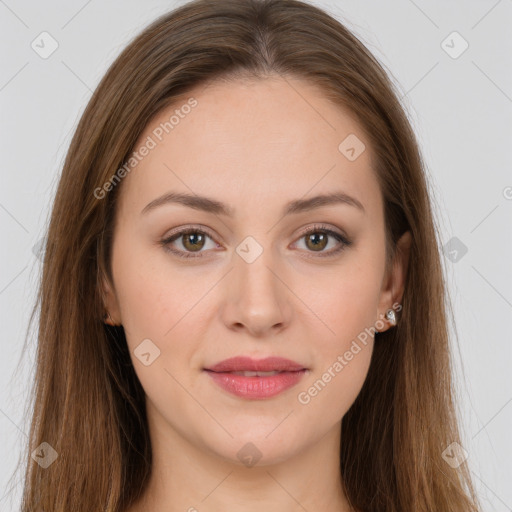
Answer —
209 205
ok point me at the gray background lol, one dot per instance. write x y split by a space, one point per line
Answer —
461 109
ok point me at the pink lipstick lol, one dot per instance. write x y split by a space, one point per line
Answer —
256 379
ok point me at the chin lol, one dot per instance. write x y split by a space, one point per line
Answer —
256 447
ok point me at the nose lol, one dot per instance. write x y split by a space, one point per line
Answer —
256 299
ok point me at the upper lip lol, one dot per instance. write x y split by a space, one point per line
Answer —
268 364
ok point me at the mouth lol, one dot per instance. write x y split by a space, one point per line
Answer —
254 379
253 374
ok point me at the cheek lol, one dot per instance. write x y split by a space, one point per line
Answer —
347 307
330 392
344 301
153 293
165 303
157 301
343 352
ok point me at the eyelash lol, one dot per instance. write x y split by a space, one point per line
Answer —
317 228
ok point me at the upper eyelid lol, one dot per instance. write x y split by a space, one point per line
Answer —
183 231
199 228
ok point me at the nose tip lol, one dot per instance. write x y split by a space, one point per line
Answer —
256 301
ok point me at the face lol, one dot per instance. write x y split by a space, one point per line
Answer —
256 270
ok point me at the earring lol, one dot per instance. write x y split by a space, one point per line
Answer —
391 316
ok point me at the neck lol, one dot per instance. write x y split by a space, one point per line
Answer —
186 477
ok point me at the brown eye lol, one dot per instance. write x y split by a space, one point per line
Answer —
317 241
317 238
193 241
188 243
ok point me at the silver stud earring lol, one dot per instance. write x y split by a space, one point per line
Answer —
391 316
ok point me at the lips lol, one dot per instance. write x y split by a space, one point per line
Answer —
256 379
247 364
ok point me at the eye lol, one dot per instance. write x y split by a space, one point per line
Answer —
194 240
316 239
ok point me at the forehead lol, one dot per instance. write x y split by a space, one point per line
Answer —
270 139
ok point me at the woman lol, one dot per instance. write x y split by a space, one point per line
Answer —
242 303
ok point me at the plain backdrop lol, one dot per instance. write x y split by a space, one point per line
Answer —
457 89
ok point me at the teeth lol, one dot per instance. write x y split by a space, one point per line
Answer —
256 374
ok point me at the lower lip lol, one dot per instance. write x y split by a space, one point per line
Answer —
256 387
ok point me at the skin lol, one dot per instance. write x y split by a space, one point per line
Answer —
254 145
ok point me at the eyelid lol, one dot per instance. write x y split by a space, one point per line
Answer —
319 226
192 227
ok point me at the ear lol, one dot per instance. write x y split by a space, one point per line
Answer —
393 284
110 303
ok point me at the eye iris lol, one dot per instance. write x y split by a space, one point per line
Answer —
193 238
317 245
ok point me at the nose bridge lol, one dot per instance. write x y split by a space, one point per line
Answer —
256 299
253 262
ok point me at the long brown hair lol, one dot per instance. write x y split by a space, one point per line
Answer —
88 403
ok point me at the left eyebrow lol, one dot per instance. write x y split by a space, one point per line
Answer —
209 205
304 205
